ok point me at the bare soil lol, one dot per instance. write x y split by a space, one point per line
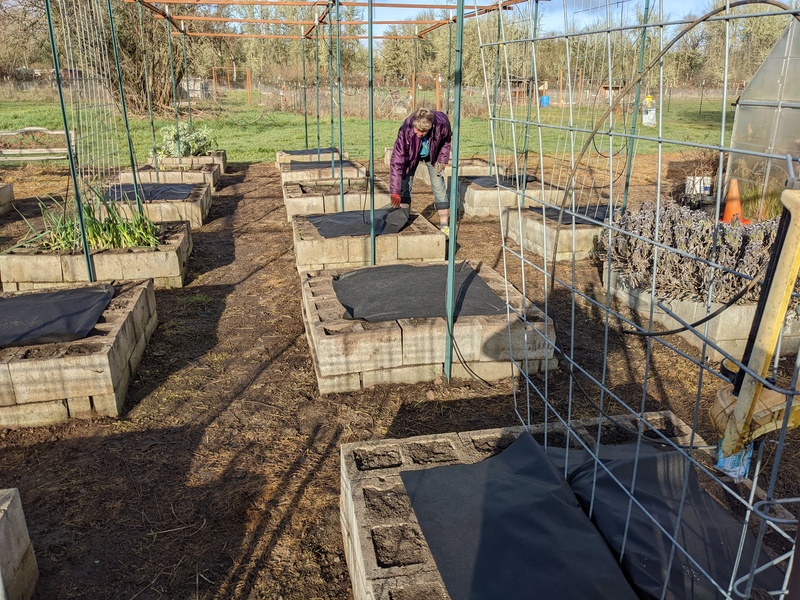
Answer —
222 478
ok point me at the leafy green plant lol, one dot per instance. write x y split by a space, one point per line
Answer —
107 227
178 142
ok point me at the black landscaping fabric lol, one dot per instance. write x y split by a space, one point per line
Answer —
490 181
392 292
58 316
150 191
308 152
510 528
708 531
597 213
356 222
506 526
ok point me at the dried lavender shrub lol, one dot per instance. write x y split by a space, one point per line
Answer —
690 235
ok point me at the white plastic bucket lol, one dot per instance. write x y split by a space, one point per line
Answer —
698 186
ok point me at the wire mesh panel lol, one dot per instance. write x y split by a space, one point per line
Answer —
611 123
85 39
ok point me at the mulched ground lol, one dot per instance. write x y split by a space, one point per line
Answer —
222 478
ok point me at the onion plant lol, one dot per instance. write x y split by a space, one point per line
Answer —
107 227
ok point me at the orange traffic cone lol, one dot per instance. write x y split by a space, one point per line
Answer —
733 205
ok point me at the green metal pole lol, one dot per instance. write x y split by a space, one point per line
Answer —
174 90
319 132
330 77
449 62
73 169
149 95
131 154
636 100
186 77
371 138
452 245
305 105
339 89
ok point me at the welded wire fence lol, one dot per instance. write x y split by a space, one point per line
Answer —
618 175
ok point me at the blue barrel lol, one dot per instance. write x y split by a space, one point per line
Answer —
544 101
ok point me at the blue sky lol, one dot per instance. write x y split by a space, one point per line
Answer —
551 9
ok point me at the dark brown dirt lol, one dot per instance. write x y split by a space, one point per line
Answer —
222 478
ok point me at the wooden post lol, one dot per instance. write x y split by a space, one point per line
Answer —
214 80
438 93
248 85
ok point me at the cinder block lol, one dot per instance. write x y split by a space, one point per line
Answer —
15 267
315 170
6 197
80 408
18 569
424 339
408 374
7 396
34 414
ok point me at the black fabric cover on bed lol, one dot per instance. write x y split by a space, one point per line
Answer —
392 292
58 316
510 528
356 222
150 191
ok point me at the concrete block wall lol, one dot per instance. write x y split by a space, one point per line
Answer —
728 330
324 196
478 201
419 241
287 156
539 235
198 173
6 197
217 157
315 170
194 209
387 555
24 269
466 167
18 569
52 383
351 354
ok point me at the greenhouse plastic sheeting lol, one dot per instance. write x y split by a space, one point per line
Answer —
597 213
708 532
392 292
150 191
510 528
59 316
356 222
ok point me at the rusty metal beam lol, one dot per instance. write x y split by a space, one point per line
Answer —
295 22
160 13
307 3
481 10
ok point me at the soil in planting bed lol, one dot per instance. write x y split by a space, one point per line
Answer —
222 478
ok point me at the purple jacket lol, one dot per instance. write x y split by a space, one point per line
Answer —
405 156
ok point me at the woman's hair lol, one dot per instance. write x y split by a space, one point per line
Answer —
422 119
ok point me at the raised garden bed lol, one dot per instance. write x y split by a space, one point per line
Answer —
728 330
193 208
31 268
353 354
6 197
540 226
217 157
18 569
315 170
202 173
419 241
479 195
323 196
51 383
387 555
287 156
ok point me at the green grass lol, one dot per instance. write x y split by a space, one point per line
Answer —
249 134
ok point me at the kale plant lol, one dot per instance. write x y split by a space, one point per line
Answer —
195 143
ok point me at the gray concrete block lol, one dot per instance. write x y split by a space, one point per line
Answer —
313 170
316 154
6 197
18 569
539 235
217 157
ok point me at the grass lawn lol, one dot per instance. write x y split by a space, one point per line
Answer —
250 134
